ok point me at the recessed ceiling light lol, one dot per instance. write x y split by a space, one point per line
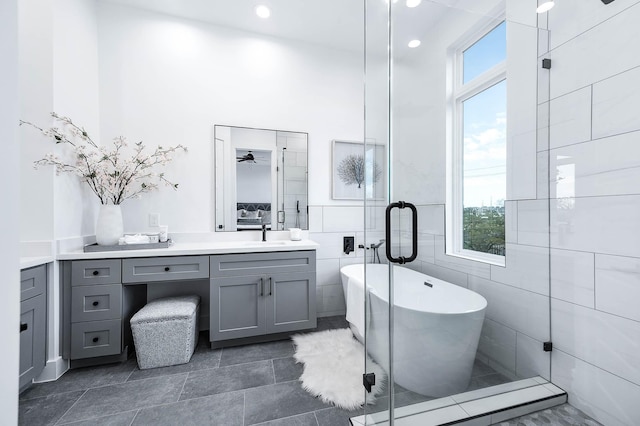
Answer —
263 11
414 43
413 3
546 6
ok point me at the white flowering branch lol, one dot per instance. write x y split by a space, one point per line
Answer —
110 173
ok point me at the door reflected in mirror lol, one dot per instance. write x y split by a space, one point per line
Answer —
260 179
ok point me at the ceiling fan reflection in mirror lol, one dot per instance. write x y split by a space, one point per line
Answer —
249 157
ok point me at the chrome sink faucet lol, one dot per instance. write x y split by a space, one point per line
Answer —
264 232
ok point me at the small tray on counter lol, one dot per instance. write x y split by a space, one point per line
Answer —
91 248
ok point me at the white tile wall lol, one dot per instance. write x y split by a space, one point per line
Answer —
617 282
527 267
533 223
570 118
498 343
610 399
616 101
607 225
531 360
598 53
608 341
572 277
519 309
609 166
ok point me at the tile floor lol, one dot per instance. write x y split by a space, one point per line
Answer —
248 385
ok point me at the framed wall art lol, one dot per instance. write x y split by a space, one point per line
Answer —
358 170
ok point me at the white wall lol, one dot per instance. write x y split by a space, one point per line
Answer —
167 80
75 94
9 174
36 103
594 169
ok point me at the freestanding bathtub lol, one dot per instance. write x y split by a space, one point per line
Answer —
436 326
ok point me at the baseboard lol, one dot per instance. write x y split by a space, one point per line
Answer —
53 369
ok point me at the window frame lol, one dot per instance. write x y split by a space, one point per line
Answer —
457 94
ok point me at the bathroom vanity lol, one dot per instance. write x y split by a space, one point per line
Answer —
257 292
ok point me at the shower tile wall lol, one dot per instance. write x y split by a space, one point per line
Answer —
327 227
595 199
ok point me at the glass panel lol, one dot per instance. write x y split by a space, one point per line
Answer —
437 349
485 170
487 52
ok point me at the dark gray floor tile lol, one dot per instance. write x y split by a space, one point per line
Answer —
286 369
257 352
335 416
278 401
308 419
481 369
324 323
339 322
487 380
216 410
120 419
228 379
128 396
402 399
203 358
46 410
82 379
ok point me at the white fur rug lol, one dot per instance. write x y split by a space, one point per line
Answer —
333 367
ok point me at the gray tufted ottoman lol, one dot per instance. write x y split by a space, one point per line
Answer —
165 331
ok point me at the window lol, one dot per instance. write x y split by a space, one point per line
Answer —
478 150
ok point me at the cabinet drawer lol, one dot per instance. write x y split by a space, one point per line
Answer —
152 269
95 338
234 265
94 303
90 272
33 281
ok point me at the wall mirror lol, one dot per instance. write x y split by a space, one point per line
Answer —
260 179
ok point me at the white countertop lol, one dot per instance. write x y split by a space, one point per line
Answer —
31 261
195 248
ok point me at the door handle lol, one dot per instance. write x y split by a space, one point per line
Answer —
261 286
270 286
414 232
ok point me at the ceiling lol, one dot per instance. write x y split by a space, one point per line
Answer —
335 24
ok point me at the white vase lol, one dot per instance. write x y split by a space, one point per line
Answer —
109 227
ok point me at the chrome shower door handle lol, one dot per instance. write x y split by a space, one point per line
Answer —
414 232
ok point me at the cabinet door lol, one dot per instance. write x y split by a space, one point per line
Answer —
237 307
290 302
32 338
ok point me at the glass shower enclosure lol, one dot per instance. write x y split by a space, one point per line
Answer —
460 301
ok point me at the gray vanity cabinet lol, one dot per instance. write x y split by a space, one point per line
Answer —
33 326
257 294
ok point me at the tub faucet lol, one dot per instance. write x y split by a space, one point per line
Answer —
377 246
375 255
264 232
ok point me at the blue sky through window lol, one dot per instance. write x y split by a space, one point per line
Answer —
485 53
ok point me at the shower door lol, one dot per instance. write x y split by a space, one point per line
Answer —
456 93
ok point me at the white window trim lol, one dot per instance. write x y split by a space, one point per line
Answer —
457 93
